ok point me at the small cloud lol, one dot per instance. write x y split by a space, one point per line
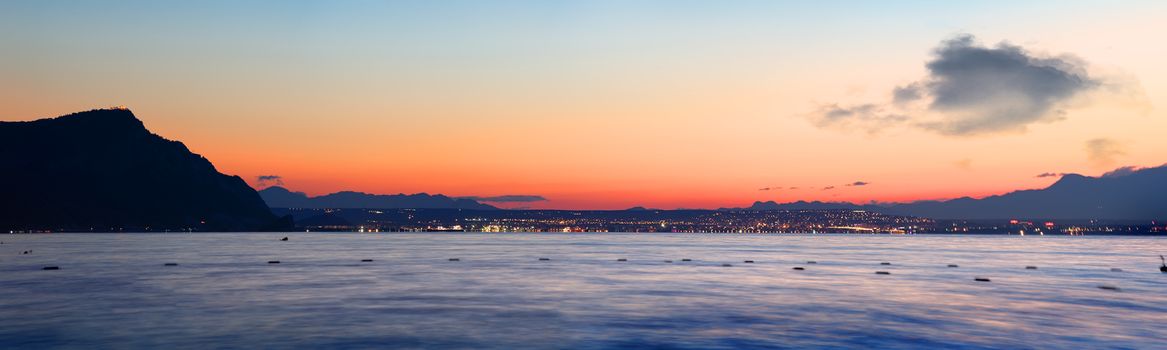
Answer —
1103 151
1050 175
510 198
859 183
907 94
269 180
828 188
769 188
870 117
965 164
1122 171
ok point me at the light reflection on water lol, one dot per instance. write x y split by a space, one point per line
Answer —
112 291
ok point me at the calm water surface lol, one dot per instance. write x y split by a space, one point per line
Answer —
112 291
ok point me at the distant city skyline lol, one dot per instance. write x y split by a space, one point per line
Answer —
615 104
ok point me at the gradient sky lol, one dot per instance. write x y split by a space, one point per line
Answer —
592 104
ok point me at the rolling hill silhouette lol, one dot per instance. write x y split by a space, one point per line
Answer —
279 197
1121 195
102 170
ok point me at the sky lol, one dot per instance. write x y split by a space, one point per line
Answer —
614 104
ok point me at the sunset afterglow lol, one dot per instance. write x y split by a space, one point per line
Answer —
607 104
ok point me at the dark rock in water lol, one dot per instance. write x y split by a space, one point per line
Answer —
885 263
749 261
170 264
50 268
668 261
812 262
686 259
544 259
981 279
621 259
1115 269
1108 287
366 260
726 265
1031 267
882 273
953 265
103 170
799 268
455 259
284 239
273 262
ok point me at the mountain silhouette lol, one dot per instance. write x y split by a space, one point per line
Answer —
1120 195
102 170
1137 195
801 205
279 197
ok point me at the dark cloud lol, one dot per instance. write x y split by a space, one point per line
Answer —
769 188
974 89
269 180
1050 174
511 198
859 183
1103 151
828 188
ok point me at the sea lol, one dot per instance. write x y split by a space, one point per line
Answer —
573 291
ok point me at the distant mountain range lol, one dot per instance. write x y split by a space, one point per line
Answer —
1122 195
279 197
102 170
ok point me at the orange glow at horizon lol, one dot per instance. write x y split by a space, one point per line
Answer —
593 106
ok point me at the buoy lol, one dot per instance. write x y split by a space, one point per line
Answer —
799 268
284 239
170 264
981 279
1108 287
1031 267
273 262
50 268
726 265
1115 269
686 259
953 265
455 259
749 261
621 259
366 260
882 273
885 263
544 259
812 262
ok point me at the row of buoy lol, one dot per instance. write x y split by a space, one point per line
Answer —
1162 268
1030 267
